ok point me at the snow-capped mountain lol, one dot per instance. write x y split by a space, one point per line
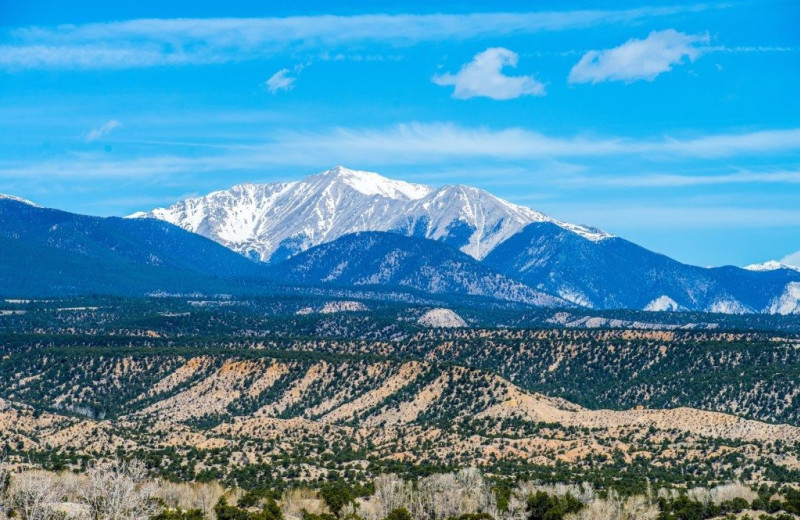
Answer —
14 198
771 265
271 222
546 263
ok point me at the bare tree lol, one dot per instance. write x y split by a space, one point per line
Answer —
453 494
31 495
613 507
391 492
120 491
518 501
205 496
191 495
295 501
726 492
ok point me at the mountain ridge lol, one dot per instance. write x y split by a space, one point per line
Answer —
271 222
48 251
616 273
455 239
389 259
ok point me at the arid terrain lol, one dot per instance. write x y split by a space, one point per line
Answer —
377 396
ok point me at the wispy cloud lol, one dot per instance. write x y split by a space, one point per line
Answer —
102 130
281 80
414 142
157 42
792 259
611 216
417 143
484 77
661 180
754 49
637 60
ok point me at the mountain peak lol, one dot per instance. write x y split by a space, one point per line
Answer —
370 183
274 221
4 196
770 265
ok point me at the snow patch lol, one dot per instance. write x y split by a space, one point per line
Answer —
589 233
575 297
3 196
770 265
370 183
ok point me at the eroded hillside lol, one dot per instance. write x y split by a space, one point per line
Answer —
301 415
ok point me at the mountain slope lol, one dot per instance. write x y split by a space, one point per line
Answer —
272 222
239 409
615 273
51 252
389 259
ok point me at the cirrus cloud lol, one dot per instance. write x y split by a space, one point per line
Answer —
102 130
193 41
483 77
431 143
280 81
637 60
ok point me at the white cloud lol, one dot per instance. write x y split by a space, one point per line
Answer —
280 81
417 143
483 77
639 59
792 259
158 42
102 130
414 142
615 215
676 181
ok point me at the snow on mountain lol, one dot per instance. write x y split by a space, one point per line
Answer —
788 302
271 222
575 296
662 303
770 265
4 196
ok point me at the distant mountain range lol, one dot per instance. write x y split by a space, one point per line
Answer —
350 229
615 273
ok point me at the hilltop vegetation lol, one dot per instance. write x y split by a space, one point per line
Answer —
733 367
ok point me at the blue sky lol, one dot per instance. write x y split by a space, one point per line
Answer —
676 126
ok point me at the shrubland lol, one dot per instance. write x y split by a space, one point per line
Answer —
123 490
